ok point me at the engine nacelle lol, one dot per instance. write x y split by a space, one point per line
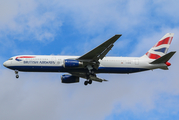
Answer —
69 63
69 79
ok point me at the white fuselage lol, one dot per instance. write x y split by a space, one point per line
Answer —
43 63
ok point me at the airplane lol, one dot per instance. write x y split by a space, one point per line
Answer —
95 62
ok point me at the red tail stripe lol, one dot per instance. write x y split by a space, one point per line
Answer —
170 40
152 56
164 41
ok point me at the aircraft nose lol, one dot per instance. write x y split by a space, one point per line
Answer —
5 64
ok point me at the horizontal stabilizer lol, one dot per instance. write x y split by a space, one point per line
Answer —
164 58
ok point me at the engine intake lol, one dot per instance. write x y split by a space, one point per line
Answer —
69 79
69 63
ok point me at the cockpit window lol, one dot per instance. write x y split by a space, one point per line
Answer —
10 58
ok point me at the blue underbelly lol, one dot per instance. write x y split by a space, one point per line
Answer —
62 69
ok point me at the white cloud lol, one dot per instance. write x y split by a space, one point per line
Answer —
95 16
36 19
25 21
11 9
167 8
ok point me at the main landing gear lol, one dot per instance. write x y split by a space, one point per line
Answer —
89 74
88 82
16 72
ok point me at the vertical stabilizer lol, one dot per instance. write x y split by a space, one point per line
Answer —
160 48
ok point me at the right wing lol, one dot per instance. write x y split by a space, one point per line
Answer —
100 51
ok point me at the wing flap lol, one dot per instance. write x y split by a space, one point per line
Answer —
103 54
94 78
91 77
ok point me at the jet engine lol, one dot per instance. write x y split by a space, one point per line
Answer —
69 63
69 79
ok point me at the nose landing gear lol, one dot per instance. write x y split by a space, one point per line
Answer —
16 72
17 76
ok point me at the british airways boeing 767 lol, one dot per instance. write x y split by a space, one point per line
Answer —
94 62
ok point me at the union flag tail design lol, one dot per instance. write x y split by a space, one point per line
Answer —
161 47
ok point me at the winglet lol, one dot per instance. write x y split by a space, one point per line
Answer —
164 58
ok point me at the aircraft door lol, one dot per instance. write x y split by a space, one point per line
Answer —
136 62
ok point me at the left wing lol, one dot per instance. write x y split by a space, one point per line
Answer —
91 77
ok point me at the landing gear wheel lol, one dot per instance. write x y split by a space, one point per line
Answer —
17 76
86 83
90 81
16 72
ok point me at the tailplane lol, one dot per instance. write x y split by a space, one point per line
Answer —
164 59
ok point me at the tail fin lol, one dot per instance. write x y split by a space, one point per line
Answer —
160 48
